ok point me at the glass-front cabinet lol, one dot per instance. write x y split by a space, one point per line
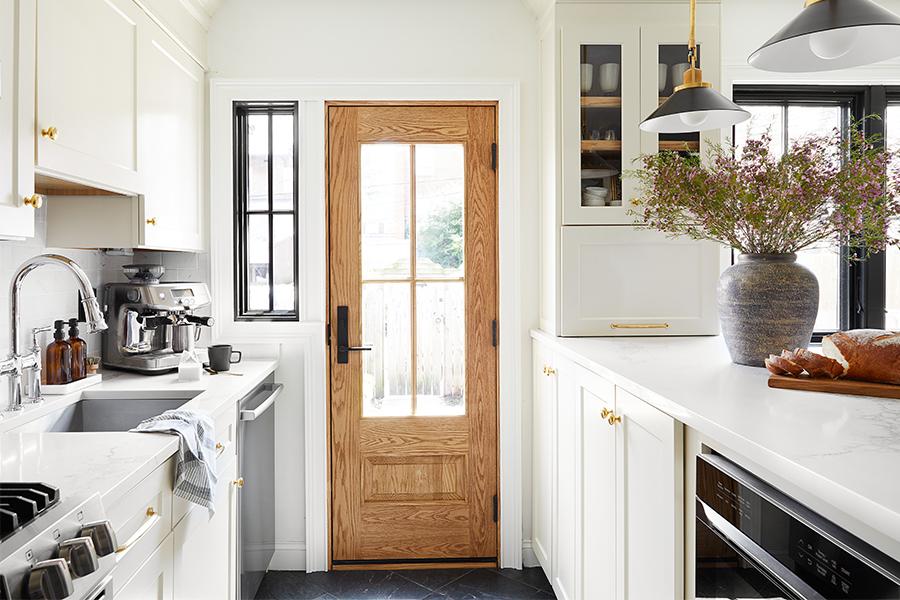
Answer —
611 79
600 118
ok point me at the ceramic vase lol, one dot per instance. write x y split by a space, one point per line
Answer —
767 303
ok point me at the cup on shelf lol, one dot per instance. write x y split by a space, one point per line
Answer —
594 196
587 78
678 71
609 77
663 77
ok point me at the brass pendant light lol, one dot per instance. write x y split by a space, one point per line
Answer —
830 35
694 105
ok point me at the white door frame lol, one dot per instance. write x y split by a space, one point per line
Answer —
313 252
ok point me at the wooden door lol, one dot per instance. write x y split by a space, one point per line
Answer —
413 273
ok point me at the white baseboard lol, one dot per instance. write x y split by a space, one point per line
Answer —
289 556
529 558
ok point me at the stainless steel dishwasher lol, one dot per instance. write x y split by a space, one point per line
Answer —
256 502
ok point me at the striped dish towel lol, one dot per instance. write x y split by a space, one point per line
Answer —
195 469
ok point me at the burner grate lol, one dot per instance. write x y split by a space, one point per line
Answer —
22 502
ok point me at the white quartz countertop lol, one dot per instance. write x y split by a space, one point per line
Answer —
111 463
838 454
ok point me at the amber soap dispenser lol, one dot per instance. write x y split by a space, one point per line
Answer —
58 358
79 352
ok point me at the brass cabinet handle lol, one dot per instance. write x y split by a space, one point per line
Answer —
614 419
152 518
34 201
604 414
220 448
548 371
639 325
151 221
49 132
238 483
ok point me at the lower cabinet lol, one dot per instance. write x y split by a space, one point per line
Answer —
204 546
609 466
154 579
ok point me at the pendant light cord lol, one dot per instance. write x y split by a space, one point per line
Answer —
692 40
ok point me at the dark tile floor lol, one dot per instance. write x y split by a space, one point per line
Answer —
444 584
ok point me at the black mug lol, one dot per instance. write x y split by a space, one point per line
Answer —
220 357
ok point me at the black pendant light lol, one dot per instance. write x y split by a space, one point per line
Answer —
829 35
694 105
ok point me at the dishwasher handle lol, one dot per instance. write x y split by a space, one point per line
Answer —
252 415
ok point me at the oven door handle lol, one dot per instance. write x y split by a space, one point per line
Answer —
755 554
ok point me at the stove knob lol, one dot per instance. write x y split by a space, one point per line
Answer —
103 535
50 580
80 554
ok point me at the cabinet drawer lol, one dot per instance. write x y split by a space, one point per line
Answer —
619 281
142 519
153 579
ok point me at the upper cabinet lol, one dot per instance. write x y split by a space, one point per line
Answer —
171 117
605 67
87 92
116 113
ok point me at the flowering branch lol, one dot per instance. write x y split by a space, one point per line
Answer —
838 190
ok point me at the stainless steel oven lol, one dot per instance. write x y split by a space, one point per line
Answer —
753 541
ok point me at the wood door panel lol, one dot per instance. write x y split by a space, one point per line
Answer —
414 487
414 478
410 124
414 436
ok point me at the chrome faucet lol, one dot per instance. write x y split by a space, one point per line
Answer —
28 364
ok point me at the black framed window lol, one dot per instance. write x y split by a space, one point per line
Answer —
266 167
853 293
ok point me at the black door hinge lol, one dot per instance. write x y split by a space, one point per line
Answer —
327 334
496 507
494 340
494 156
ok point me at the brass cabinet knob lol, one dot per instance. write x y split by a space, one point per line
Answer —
614 419
151 221
604 414
49 132
34 201
548 371
238 483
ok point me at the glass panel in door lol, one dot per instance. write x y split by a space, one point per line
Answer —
601 125
413 289
671 67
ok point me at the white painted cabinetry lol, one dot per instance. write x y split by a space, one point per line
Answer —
154 579
171 142
87 91
616 492
16 181
205 547
601 65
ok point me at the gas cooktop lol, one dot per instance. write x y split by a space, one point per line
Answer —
21 503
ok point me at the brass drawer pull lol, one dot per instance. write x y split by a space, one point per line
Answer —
238 483
152 518
151 221
639 325
548 371
605 413
49 132
614 419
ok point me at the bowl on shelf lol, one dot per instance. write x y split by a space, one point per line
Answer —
598 173
594 196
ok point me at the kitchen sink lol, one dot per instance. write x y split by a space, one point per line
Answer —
106 414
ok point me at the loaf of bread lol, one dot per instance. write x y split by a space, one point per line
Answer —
866 354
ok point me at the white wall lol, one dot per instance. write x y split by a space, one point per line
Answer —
409 41
747 24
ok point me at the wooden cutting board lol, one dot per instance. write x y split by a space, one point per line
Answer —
835 386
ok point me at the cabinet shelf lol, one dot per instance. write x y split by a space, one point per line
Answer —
607 146
601 101
679 145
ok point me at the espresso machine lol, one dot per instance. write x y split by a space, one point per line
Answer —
152 323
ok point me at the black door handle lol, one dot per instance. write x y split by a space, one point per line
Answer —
343 337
